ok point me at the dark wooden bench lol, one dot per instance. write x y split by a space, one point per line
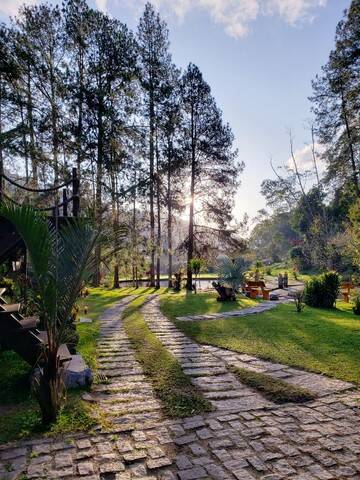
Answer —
252 289
346 290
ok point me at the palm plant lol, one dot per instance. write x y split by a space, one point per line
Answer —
60 260
231 272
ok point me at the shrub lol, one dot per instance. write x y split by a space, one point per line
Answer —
231 271
299 300
268 271
322 291
9 284
356 306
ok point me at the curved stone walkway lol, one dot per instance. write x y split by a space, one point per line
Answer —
317 440
245 438
259 308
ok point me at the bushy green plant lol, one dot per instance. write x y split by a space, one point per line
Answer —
196 265
299 300
61 260
231 271
268 271
322 291
356 306
9 284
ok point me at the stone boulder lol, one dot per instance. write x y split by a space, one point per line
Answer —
77 373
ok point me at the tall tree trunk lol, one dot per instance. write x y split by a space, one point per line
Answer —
169 220
151 193
158 236
30 121
190 252
79 155
24 141
55 137
116 283
98 194
134 241
351 146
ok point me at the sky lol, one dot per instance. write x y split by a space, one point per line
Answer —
259 57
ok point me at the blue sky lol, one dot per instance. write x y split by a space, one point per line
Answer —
259 57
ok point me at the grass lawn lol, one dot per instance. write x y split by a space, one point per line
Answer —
319 340
180 398
182 304
19 413
99 300
274 389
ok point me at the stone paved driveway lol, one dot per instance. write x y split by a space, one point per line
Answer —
246 437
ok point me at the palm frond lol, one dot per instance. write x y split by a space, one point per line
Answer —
231 272
75 264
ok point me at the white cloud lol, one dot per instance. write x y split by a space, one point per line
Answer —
11 7
237 15
304 158
101 5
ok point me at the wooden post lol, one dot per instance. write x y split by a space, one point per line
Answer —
65 205
76 198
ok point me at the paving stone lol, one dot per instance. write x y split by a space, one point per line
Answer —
124 446
185 439
204 434
63 460
123 476
84 443
243 474
183 462
192 473
343 471
135 455
112 467
85 468
41 449
158 462
215 471
36 471
12 453
197 449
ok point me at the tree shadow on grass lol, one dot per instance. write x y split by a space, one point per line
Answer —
323 341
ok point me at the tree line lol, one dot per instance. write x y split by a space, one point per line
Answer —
78 87
317 226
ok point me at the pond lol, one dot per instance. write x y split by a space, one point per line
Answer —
201 283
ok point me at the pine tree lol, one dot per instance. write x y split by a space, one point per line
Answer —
208 144
77 25
155 60
170 120
336 103
111 69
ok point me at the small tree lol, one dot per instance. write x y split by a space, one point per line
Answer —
196 264
60 261
231 272
322 291
299 300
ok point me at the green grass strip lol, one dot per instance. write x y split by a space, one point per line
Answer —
180 398
273 389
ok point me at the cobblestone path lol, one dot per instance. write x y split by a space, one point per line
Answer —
245 438
261 307
210 360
